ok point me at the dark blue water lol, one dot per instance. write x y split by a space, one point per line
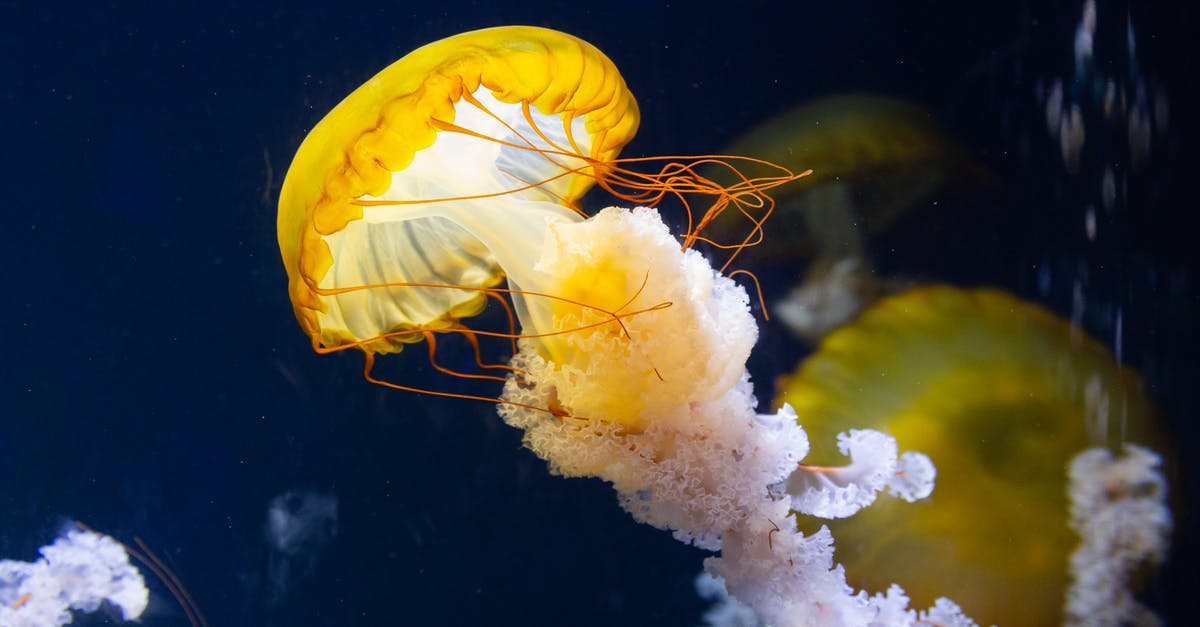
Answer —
155 384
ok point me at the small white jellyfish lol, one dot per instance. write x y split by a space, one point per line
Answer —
300 525
80 571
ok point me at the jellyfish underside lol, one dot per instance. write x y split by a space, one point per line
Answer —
467 235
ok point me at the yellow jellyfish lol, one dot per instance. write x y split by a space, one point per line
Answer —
1000 394
411 202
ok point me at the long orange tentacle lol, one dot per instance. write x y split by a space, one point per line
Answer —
369 365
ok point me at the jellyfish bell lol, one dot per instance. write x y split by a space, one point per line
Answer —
1001 395
460 167
439 172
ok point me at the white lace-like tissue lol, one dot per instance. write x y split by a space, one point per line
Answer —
661 407
79 571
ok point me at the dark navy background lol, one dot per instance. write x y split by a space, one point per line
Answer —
154 383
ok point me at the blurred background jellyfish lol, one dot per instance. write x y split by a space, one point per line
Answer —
1002 396
300 525
878 157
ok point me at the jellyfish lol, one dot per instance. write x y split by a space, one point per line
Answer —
415 198
1005 398
80 572
451 181
301 524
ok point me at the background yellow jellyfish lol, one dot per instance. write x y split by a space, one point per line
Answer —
874 157
467 146
1001 394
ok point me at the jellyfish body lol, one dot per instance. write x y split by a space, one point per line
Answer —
442 172
1001 394
457 168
